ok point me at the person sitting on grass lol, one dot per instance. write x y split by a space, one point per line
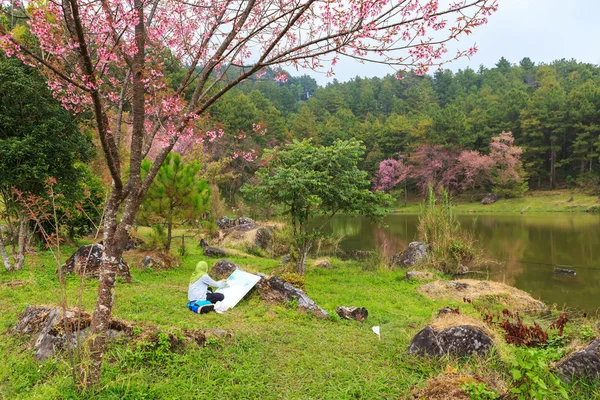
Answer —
199 285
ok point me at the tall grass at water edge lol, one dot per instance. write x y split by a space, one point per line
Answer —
452 249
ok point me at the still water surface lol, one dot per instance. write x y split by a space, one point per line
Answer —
527 247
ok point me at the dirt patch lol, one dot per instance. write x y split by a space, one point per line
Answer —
447 387
500 293
160 259
14 283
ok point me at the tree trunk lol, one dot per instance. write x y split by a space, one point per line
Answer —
169 235
303 250
5 258
115 237
553 169
19 256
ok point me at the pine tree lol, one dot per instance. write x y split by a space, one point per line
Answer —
177 194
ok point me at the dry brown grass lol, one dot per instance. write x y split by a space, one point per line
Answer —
508 296
447 386
447 320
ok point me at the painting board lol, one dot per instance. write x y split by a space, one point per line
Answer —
238 284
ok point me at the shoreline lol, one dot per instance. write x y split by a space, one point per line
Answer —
534 202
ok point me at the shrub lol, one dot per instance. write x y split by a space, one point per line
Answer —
294 279
453 251
589 182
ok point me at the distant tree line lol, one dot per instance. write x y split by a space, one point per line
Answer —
552 110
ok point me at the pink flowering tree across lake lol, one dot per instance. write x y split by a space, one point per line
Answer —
508 175
474 170
108 56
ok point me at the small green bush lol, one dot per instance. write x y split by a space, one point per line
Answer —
480 391
533 379
294 279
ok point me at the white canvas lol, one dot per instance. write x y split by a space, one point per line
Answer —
238 284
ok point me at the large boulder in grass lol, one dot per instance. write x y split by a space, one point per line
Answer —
415 253
87 261
489 198
214 252
57 329
210 251
359 314
264 237
223 268
582 364
458 341
275 289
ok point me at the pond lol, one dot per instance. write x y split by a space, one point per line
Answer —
526 247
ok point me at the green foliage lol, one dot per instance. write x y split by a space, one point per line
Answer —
587 333
308 180
176 196
452 250
533 379
39 140
479 391
153 352
294 278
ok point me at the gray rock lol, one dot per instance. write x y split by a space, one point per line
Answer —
245 221
276 289
419 276
426 343
286 259
226 222
133 243
465 340
264 238
56 330
214 252
489 198
562 271
150 262
87 261
415 253
458 341
223 268
458 285
581 364
358 313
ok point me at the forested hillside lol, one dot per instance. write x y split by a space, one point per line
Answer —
552 110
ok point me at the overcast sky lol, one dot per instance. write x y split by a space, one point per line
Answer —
543 30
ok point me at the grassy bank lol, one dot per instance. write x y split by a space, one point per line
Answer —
532 202
276 352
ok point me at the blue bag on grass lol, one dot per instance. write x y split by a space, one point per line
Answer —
201 307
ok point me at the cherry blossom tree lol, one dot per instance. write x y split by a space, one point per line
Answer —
433 165
508 174
474 170
391 173
109 56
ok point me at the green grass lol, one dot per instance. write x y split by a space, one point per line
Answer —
532 202
276 352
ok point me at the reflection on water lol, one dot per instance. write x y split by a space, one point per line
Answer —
527 247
